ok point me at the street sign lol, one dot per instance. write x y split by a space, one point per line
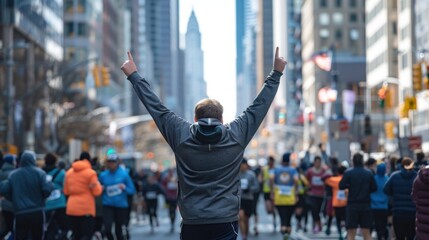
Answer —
414 142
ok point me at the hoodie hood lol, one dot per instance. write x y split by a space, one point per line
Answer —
381 169
81 165
28 159
407 174
424 175
208 130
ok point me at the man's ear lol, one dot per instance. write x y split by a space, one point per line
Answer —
221 119
195 119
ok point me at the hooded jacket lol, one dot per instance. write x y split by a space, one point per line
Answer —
399 186
27 187
208 153
6 170
57 199
82 186
420 196
379 200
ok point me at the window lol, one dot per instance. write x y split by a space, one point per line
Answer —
353 17
338 3
81 29
324 19
354 34
352 3
324 33
404 60
337 18
68 6
69 29
338 34
323 3
395 28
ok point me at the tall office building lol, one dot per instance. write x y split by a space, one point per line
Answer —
31 38
155 43
381 47
246 43
420 125
339 26
195 86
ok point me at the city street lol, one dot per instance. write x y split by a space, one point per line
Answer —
141 229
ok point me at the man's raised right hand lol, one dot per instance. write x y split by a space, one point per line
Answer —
129 66
279 62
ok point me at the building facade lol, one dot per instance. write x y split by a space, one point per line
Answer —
195 86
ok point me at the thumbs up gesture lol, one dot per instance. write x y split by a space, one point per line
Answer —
129 66
279 62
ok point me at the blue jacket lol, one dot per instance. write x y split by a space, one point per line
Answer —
27 186
112 196
57 199
399 187
379 200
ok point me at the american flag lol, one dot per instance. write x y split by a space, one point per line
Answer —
323 60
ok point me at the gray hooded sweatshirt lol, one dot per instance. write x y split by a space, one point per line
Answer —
208 153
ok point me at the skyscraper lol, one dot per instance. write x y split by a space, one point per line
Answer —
155 44
246 42
331 25
195 86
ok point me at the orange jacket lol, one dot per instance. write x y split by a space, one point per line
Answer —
82 186
334 183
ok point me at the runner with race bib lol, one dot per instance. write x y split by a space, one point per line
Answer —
284 181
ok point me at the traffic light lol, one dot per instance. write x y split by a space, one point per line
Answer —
403 110
105 76
389 129
282 118
367 125
426 78
96 75
417 77
382 94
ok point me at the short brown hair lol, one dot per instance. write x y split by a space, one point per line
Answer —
208 108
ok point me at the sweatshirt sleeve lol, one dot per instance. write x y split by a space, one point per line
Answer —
129 186
95 185
168 123
248 122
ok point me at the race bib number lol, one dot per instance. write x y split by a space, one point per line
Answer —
113 190
151 195
54 195
341 195
285 190
49 178
317 181
172 185
244 184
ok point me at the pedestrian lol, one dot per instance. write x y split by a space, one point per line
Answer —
399 187
257 170
117 185
81 185
420 160
266 188
302 207
9 164
380 203
339 198
27 188
169 184
208 153
284 184
316 193
150 195
249 185
360 184
56 218
421 199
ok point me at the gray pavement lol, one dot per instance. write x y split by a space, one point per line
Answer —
140 228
